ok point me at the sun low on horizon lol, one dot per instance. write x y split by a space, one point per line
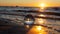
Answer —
42 5
32 3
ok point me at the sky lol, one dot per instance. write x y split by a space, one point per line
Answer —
48 3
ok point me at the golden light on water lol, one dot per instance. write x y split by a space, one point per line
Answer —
40 21
38 30
42 15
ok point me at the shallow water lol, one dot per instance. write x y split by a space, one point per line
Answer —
52 26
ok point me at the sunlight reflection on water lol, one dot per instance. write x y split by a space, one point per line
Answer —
38 30
41 29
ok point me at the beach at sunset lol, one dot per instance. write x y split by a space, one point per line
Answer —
29 16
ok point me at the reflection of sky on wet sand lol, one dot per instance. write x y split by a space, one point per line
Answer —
44 30
38 30
55 24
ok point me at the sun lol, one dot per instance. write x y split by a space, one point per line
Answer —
42 5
